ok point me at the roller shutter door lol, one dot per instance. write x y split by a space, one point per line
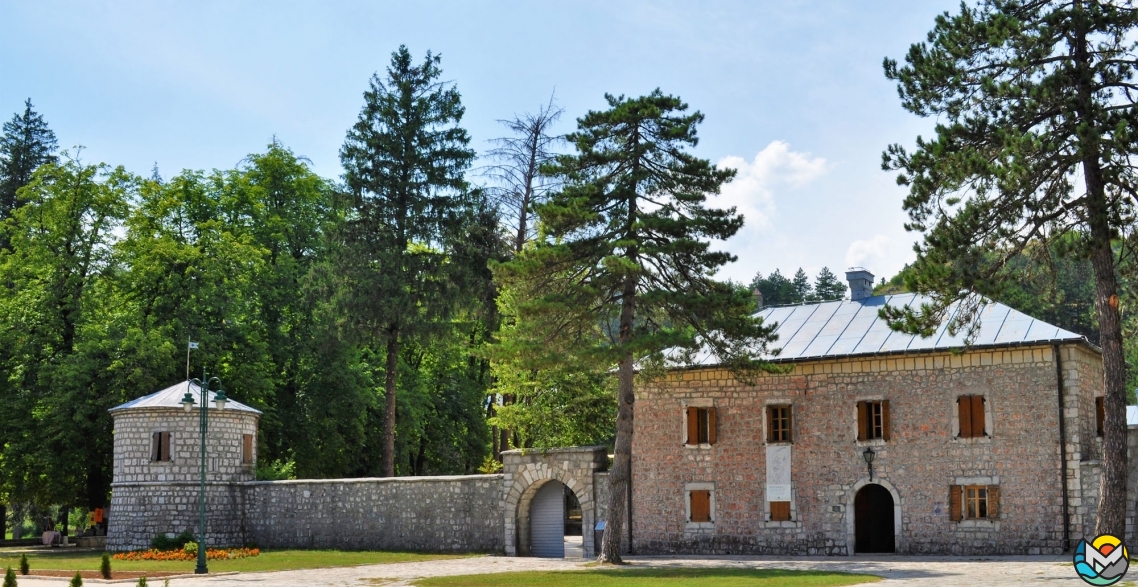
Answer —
547 521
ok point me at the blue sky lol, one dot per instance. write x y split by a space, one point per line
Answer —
793 92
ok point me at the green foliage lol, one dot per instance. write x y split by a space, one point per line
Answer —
9 578
24 567
76 581
778 290
141 582
276 470
105 566
163 542
26 144
827 286
191 548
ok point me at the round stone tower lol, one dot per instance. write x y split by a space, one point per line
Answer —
157 467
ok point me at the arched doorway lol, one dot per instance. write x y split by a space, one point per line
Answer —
547 521
873 520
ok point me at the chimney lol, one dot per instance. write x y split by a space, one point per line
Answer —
861 283
758 299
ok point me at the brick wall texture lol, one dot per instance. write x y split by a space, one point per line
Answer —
919 462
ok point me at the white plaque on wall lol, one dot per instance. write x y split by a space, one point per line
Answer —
778 472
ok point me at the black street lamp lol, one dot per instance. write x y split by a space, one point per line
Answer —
203 422
869 455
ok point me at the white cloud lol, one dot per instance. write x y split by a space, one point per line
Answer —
869 252
753 190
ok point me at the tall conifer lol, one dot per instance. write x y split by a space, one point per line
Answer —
26 144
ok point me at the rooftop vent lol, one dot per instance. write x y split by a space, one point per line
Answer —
861 283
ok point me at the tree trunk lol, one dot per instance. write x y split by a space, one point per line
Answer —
621 473
389 397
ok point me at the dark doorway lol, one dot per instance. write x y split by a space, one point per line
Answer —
873 520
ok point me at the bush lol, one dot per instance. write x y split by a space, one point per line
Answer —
24 567
161 542
9 578
105 566
191 548
77 580
142 582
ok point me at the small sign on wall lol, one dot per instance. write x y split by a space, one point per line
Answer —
778 472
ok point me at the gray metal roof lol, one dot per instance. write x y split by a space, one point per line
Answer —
171 397
847 328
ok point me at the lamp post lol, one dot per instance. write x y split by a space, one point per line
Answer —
869 455
203 424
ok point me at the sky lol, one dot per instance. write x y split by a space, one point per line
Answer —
793 92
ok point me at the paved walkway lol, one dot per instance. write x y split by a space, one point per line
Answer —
898 571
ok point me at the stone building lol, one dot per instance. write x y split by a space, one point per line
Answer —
990 450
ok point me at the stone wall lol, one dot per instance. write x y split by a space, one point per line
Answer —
430 514
525 472
134 430
141 511
918 464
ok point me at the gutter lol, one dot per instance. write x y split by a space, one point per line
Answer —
1066 544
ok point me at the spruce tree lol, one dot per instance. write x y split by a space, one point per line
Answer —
827 286
10 578
625 265
1034 143
802 290
404 165
26 144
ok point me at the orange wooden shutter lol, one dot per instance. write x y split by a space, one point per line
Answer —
862 421
700 505
711 425
165 456
955 512
885 419
977 415
247 449
965 404
780 511
770 424
1100 415
693 425
993 501
790 424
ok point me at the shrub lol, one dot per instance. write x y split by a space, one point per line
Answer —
142 582
9 578
105 566
24 567
191 548
77 580
161 542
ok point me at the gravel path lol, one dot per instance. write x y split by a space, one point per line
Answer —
898 571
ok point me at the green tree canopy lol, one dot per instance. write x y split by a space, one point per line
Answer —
625 264
26 144
1034 143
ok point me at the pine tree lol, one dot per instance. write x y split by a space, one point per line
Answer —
404 163
777 290
76 581
26 144
625 264
802 290
1035 138
827 286
105 566
10 578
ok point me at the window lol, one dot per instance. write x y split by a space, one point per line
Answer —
1100 414
778 424
247 449
973 502
780 511
701 426
160 447
700 505
971 409
873 420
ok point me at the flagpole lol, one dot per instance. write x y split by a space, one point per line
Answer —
187 358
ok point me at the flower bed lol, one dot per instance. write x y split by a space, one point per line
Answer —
184 555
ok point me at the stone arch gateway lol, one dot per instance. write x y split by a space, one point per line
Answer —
526 472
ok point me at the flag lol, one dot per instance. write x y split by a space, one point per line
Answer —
193 345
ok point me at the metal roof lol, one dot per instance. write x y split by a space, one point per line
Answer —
846 328
171 397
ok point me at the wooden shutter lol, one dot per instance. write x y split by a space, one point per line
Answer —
770 424
977 415
862 421
885 419
165 456
156 446
693 425
247 449
955 511
711 425
964 403
993 501
1100 414
700 505
780 511
790 423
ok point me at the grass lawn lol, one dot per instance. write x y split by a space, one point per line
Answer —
269 560
655 578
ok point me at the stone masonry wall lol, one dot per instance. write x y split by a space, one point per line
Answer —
141 511
133 438
432 514
918 464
